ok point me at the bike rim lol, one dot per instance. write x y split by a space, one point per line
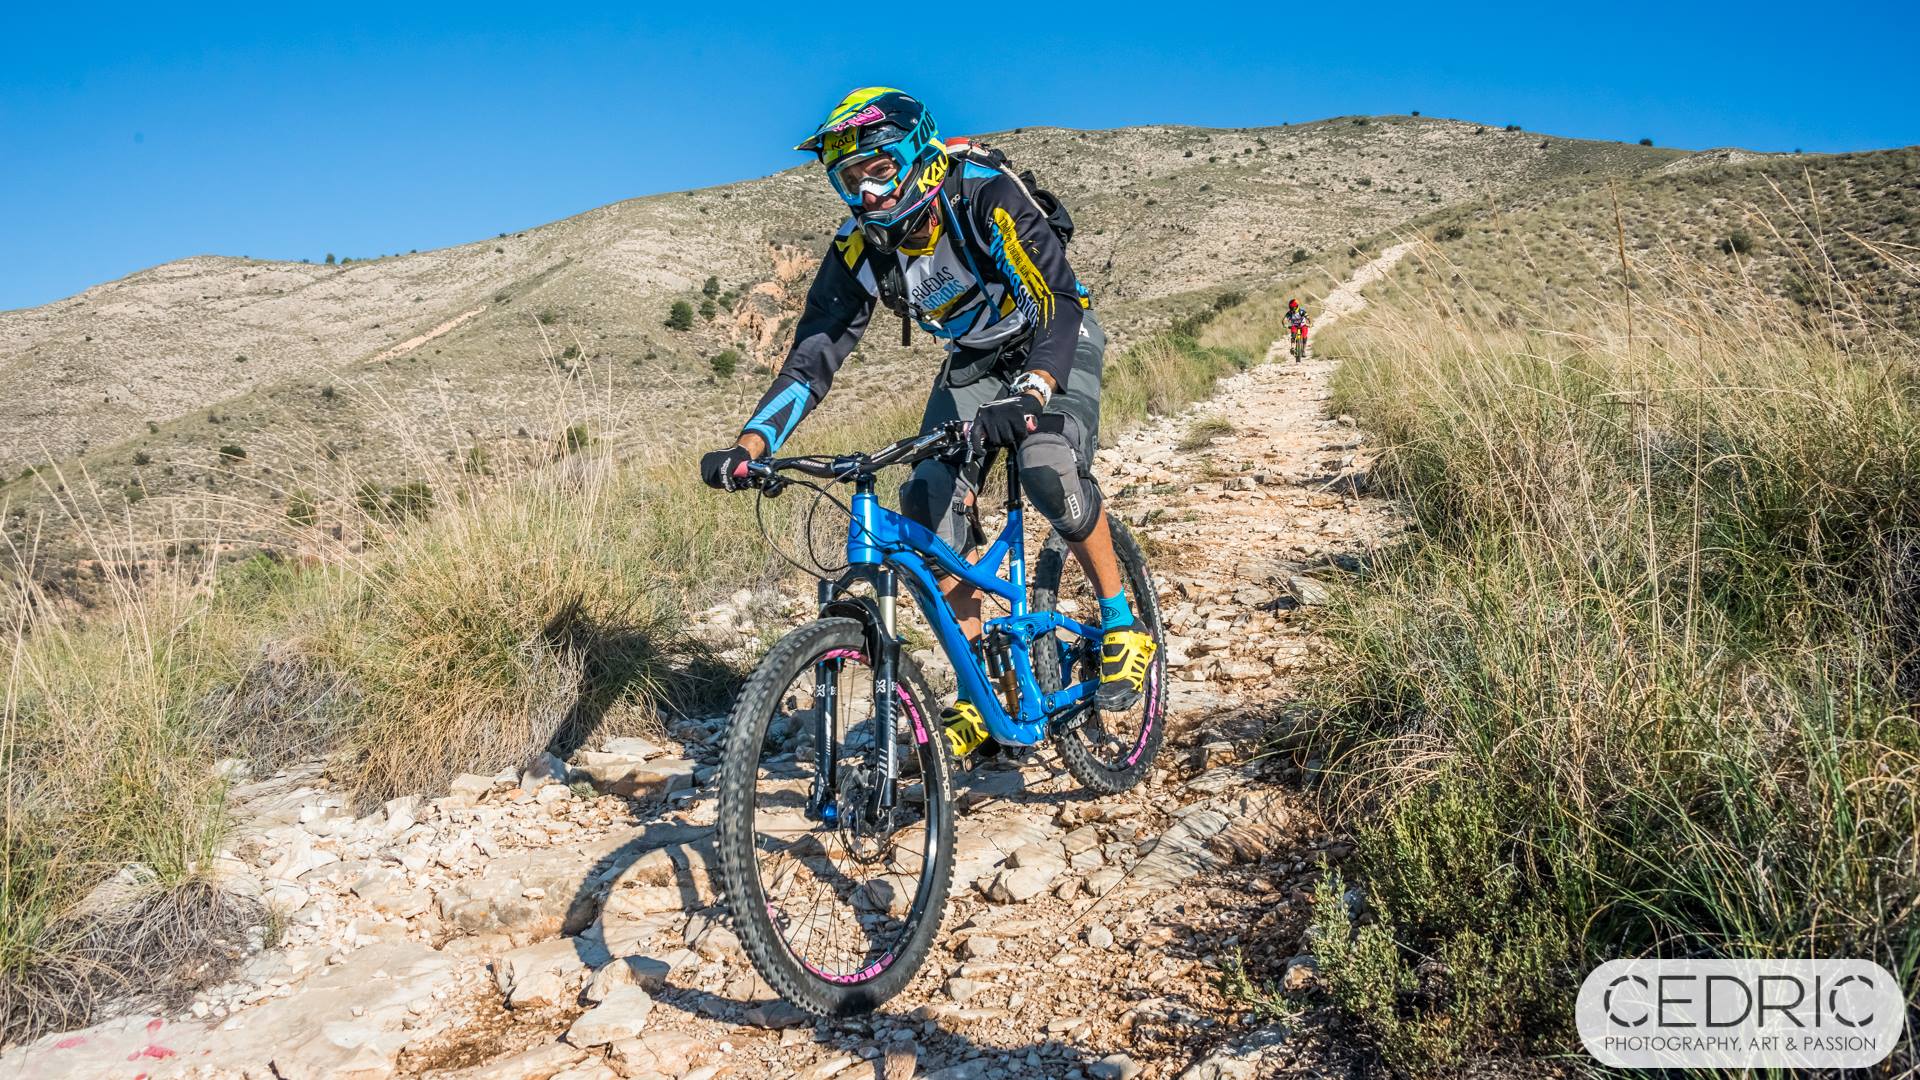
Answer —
843 900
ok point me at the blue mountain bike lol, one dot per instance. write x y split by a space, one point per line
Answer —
836 816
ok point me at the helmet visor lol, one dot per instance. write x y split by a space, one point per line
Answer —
877 171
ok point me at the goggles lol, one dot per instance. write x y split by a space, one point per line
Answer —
876 172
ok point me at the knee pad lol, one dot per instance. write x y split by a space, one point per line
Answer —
1051 476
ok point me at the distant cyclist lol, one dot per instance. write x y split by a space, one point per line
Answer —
969 254
1297 326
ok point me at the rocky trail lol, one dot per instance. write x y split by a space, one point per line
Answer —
564 922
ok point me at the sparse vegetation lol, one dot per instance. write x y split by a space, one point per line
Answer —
394 503
232 452
302 511
724 363
1643 682
1202 432
680 316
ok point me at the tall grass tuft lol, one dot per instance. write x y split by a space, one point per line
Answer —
112 806
1645 681
501 627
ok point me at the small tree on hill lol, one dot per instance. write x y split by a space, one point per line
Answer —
330 258
680 317
1646 142
711 288
725 363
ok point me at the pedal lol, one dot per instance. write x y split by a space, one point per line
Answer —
966 729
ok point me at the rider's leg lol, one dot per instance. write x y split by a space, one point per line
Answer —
1097 558
1056 473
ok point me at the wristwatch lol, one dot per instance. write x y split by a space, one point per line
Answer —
1031 382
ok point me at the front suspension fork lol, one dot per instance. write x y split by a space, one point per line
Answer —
823 801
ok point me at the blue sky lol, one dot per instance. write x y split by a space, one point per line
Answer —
131 136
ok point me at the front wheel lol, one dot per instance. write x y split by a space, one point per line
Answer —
836 904
1108 752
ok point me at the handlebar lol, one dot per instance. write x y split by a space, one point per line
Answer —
951 437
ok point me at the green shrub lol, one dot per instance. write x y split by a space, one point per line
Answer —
1739 241
708 310
575 438
1646 142
141 457
395 503
1300 255
232 452
330 259
680 316
724 363
1450 231
711 288
302 510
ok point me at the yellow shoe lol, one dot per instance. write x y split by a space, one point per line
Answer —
966 729
1125 656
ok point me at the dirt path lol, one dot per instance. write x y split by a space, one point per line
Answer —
456 938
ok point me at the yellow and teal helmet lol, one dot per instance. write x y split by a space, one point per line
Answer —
880 122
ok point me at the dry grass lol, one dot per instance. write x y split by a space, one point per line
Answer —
479 639
1646 683
104 750
1201 433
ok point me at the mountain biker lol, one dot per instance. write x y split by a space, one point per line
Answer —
972 254
1297 321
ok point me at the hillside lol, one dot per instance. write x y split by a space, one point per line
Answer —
1827 236
326 377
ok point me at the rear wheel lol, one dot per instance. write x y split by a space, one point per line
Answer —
836 909
1107 752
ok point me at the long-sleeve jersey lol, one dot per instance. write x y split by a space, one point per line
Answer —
993 277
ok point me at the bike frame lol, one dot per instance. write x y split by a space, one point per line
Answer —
881 543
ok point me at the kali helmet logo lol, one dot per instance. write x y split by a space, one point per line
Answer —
874 123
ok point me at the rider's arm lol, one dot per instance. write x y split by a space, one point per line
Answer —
838 307
1034 263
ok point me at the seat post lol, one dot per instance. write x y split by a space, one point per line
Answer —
1013 478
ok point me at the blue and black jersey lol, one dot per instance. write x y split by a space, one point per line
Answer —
992 283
